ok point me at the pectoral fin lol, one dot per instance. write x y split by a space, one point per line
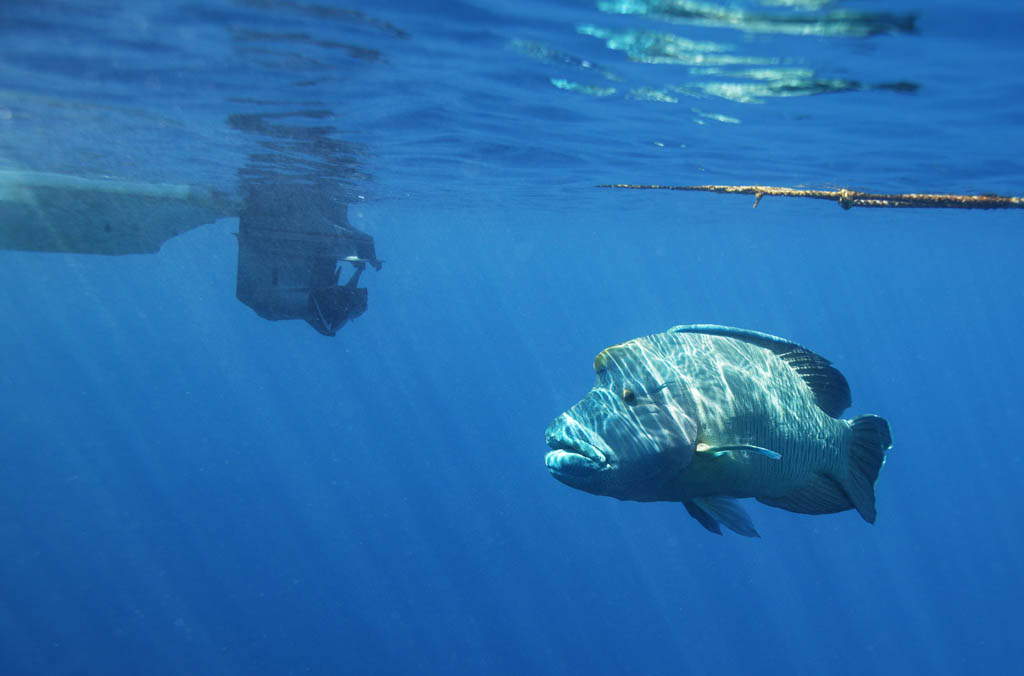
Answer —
715 512
717 451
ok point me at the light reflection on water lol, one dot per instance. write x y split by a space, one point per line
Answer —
391 101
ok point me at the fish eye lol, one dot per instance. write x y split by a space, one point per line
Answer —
628 396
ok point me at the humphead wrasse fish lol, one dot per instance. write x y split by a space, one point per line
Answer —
707 414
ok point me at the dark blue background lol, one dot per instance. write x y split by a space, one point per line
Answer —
190 488
187 488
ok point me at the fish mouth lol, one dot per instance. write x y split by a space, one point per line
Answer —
575 459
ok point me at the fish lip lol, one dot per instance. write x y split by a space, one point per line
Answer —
564 463
575 459
580 448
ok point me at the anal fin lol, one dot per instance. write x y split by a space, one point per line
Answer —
715 512
827 494
821 495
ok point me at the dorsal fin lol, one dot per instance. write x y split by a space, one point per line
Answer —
831 391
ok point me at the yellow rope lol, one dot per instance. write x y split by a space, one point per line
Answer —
851 198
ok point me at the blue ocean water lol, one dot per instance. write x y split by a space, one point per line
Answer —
188 488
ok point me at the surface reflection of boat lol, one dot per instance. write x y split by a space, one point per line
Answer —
60 213
292 240
292 244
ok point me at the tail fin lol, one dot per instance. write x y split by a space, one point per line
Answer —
870 440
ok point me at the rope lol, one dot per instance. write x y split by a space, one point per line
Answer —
850 198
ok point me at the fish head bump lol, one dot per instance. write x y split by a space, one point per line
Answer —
633 431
